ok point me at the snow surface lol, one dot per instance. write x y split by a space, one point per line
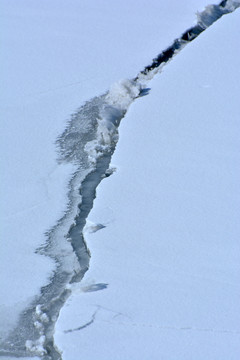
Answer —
163 279
170 209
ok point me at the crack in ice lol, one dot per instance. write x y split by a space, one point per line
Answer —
90 322
178 328
89 142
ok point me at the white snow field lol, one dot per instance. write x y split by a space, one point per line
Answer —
163 281
167 264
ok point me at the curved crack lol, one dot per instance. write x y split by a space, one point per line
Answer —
89 142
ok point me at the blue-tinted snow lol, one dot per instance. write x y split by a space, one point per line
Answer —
170 255
57 57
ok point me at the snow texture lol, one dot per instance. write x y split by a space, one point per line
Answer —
52 199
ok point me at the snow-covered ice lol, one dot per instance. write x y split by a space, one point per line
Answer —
163 278
164 267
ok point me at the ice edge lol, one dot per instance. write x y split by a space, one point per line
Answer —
91 150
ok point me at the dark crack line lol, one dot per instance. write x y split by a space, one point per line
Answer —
81 129
206 19
85 325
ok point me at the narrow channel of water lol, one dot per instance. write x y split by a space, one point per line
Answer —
89 142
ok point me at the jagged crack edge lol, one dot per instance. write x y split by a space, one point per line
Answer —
211 14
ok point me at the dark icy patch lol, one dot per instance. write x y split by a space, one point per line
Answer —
205 19
89 142
81 129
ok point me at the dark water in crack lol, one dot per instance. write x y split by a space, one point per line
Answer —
33 335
